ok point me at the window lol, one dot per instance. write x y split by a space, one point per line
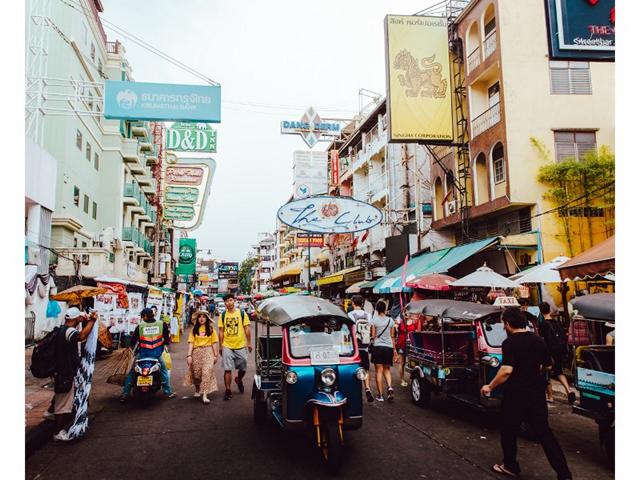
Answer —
570 78
85 205
79 140
573 145
88 151
494 94
93 52
76 196
95 211
84 245
498 163
489 27
75 242
96 161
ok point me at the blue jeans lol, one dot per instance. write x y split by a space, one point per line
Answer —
164 374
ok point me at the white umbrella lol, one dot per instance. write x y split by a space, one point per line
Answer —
355 288
484 277
545 273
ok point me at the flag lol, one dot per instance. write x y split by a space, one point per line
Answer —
355 242
446 197
364 237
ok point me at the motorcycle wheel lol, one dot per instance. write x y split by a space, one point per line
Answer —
259 411
331 446
420 393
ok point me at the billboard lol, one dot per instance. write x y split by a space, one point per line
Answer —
228 270
418 79
191 137
186 257
329 214
309 173
309 240
161 101
583 30
310 127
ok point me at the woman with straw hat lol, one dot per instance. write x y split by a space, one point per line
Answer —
203 354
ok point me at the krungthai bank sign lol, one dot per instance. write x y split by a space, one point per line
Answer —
310 127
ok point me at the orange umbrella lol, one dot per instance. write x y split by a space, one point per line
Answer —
77 293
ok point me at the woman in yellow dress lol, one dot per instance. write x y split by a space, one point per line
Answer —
203 354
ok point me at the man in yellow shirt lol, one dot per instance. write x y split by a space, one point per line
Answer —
235 340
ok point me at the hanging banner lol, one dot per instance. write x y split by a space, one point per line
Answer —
335 167
418 79
186 257
161 101
329 214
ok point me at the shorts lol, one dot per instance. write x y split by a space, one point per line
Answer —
382 356
234 359
364 357
63 402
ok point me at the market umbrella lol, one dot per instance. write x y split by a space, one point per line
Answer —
77 293
432 281
355 288
485 277
198 293
545 273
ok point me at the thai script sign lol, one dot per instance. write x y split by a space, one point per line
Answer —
185 175
418 79
335 167
189 137
161 101
328 214
310 127
179 212
582 29
309 240
181 194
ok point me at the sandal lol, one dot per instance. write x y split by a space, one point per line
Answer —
497 468
389 394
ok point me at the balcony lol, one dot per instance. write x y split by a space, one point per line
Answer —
131 194
140 129
485 120
129 150
489 44
144 179
146 147
474 59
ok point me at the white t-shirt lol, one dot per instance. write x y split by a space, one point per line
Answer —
362 320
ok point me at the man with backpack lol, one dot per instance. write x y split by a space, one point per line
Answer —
235 339
362 320
67 361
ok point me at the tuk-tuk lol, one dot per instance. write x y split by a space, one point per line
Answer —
594 368
456 349
308 372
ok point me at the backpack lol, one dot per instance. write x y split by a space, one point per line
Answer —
43 360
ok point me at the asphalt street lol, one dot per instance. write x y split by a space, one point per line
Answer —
182 438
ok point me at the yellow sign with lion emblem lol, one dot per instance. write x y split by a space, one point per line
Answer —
418 79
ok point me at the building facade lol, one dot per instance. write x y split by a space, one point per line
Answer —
265 252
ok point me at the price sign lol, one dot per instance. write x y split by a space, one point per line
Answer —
324 356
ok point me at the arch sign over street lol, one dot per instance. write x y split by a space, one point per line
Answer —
330 214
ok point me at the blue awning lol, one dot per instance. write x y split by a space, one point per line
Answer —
439 261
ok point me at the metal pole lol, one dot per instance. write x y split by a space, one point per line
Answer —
309 265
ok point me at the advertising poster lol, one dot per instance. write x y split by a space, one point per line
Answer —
418 79
186 257
106 302
154 299
135 302
309 240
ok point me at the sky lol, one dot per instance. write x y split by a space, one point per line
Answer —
286 54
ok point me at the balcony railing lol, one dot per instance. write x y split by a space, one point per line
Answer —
113 47
485 120
490 44
473 60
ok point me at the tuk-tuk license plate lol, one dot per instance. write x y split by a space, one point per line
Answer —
144 381
324 356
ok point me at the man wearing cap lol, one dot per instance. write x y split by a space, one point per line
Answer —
67 363
150 337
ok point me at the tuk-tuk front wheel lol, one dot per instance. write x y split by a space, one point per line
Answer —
331 445
420 391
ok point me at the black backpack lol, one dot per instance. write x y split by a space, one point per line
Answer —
43 360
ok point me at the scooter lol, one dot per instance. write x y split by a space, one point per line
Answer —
147 379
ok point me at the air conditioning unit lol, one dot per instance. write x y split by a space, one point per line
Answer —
451 207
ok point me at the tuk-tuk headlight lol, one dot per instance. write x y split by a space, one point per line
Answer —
491 361
361 374
328 376
291 377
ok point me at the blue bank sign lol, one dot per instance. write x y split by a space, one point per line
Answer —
329 214
161 101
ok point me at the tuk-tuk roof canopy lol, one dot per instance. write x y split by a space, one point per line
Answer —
599 306
284 310
454 309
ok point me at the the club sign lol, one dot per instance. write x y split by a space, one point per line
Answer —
329 214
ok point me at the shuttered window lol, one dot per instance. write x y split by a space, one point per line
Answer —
570 78
573 145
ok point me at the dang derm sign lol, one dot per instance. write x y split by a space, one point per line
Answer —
329 214
161 101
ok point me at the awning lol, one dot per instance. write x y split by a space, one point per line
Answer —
439 261
598 261
337 277
545 273
287 271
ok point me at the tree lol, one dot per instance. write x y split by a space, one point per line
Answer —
245 275
581 190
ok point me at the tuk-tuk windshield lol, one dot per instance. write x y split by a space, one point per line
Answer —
331 333
495 333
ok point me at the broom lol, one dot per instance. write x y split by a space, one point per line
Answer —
123 360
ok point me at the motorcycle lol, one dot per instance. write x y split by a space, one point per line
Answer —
147 379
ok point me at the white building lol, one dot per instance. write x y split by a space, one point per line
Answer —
266 253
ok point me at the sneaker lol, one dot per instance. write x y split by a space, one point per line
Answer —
403 383
379 398
227 394
206 401
196 395
390 394
123 398
240 385
172 395
369 395
61 436
571 397
47 415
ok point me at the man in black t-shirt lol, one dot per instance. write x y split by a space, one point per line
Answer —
525 359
